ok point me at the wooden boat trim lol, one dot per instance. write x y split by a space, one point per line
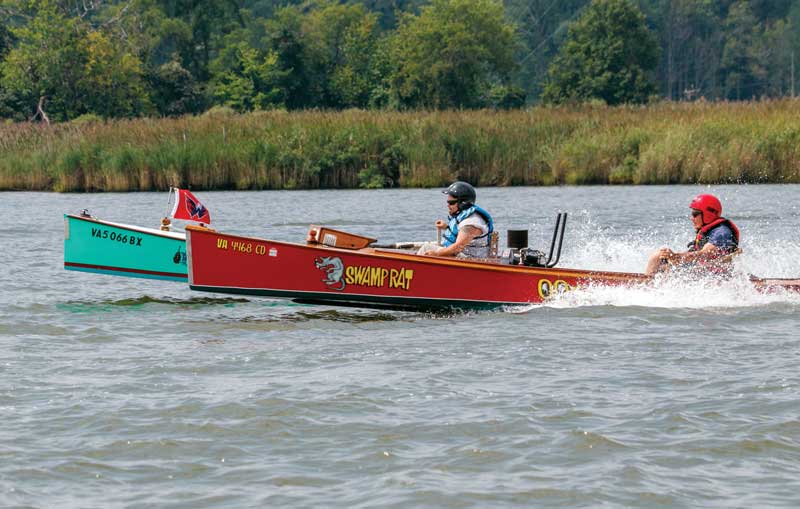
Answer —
78 266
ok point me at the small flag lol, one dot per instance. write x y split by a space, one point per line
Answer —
188 207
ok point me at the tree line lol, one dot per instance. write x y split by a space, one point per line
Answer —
63 60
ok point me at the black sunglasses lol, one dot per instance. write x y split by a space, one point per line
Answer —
452 202
696 213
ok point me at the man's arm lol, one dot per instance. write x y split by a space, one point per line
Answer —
708 251
465 235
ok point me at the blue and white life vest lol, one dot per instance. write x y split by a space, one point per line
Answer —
479 246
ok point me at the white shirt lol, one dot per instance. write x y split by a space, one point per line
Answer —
477 221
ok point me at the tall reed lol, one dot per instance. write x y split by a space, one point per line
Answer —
659 144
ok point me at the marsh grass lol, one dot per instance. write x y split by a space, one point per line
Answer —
667 143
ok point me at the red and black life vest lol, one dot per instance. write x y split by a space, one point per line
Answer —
703 233
715 263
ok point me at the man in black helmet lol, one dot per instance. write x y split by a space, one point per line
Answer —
469 228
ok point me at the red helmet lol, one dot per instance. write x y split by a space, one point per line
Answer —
709 205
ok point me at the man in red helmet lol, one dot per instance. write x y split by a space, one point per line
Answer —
717 238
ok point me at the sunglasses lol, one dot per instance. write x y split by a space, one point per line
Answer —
696 213
452 202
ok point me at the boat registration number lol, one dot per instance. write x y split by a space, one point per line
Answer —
122 238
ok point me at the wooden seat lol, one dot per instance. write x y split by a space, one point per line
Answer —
337 238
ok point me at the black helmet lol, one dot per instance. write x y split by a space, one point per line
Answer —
463 192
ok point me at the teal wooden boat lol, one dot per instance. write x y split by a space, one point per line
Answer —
103 247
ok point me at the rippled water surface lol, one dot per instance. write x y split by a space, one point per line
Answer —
118 392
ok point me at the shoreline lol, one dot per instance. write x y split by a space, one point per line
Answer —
665 143
689 184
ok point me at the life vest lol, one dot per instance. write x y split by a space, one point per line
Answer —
703 233
479 246
719 263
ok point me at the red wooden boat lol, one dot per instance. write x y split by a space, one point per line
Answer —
343 269
370 277
769 285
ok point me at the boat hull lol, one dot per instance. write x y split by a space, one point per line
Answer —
772 285
220 262
103 247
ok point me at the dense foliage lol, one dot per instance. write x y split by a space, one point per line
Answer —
65 59
607 56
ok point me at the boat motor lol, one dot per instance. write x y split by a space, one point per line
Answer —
532 258
518 251
516 240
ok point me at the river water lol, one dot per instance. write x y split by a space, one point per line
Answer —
119 392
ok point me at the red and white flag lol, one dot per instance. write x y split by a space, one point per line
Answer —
189 208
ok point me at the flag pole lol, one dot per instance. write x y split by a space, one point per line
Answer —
169 201
165 221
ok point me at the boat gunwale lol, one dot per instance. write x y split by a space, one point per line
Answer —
140 229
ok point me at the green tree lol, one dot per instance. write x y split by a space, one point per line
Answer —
62 68
341 45
608 55
690 36
174 90
44 70
144 29
5 40
285 38
327 54
112 79
452 54
7 101
205 22
389 10
774 49
793 20
252 82
543 27
742 68
379 73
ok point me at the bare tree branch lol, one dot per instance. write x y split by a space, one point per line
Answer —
118 16
40 112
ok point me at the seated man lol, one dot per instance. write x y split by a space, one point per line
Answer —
468 231
717 238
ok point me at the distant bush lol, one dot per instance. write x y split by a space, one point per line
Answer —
87 118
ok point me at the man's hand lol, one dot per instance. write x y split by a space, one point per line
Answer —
667 254
465 236
440 225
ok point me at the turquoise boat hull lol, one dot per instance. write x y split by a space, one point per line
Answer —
103 247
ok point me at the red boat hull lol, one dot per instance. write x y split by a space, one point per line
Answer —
772 285
226 263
